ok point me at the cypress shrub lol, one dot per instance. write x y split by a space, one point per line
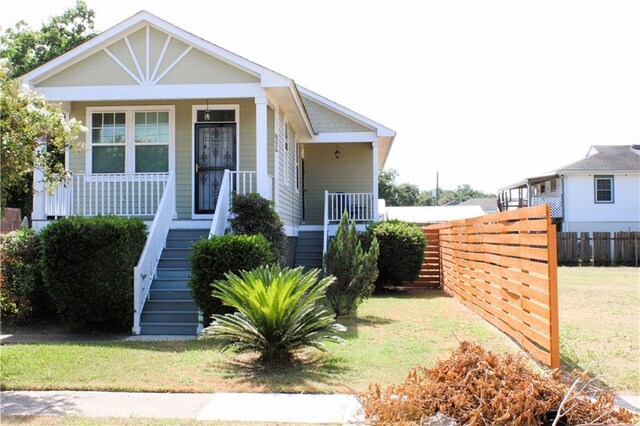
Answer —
87 264
355 269
22 293
213 258
256 215
402 246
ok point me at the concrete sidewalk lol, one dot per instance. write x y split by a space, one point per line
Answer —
242 407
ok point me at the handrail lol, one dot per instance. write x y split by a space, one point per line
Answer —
221 215
145 270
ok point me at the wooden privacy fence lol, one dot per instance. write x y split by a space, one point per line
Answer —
504 267
599 249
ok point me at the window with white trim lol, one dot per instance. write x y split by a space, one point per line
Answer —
603 188
108 142
130 139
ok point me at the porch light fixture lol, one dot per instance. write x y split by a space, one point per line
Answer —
337 153
207 113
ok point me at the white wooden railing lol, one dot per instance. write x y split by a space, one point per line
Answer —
359 205
116 194
145 270
221 215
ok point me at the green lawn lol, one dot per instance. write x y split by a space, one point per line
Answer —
389 335
600 323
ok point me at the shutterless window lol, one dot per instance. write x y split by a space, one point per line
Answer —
152 142
603 189
108 139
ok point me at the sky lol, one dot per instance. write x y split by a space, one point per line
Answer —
483 93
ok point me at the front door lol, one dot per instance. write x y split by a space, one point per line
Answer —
215 152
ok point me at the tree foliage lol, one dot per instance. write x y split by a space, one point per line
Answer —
27 49
28 123
354 268
408 194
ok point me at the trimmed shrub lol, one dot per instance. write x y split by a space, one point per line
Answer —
278 312
402 246
211 259
87 264
255 215
355 269
22 294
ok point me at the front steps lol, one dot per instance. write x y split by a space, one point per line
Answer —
170 309
309 249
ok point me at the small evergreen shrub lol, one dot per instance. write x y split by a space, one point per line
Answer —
255 215
278 312
355 269
22 294
213 258
402 246
87 264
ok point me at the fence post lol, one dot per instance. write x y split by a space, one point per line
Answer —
554 319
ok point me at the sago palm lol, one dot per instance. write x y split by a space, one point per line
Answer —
278 312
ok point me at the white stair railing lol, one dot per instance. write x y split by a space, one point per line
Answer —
359 205
221 215
145 270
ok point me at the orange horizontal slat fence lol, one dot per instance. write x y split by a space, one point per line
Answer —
504 267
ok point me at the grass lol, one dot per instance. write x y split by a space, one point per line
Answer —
600 323
388 335
73 420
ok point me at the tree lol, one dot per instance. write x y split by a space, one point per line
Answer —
387 188
28 125
354 268
26 48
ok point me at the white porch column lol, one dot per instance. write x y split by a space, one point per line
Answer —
261 147
277 146
374 155
39 213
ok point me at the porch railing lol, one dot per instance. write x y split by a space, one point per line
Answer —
359 206
221 215
145 270
116 194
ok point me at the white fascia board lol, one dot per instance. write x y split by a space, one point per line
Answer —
381 130
303 111
163 91
342 137
134 23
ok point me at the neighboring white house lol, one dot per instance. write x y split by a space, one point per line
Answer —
599 193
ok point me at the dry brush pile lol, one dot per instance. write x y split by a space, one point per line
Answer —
477 387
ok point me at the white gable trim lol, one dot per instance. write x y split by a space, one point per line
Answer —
381 130
163 91
135 23
343 137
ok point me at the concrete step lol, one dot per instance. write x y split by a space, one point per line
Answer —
171 305
169 328
168 262
169 294
193 234
169 284
183 273
154 317
175 253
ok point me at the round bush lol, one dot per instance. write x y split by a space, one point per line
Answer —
212 258
22 295
87 264
402 246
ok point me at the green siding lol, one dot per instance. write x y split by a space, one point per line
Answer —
352 172
326 120
183 142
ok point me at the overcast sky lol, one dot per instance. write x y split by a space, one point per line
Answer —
485 92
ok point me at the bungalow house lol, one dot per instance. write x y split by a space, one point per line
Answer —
176 123
598 193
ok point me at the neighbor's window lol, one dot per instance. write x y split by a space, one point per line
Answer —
603 189
108 139
152 142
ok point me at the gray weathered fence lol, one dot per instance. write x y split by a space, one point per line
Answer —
599 248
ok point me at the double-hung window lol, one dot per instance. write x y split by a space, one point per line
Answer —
603 186
130 139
